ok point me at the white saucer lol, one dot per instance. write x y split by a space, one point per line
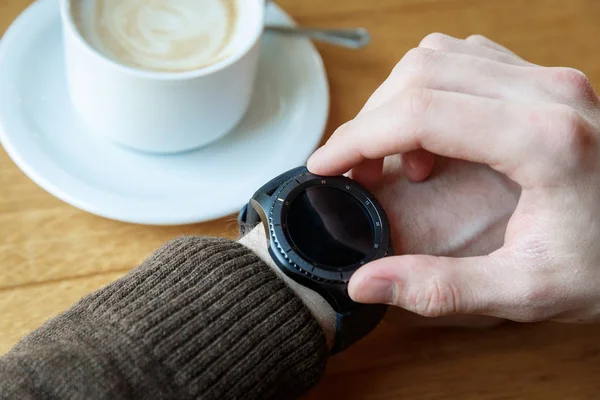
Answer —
44 137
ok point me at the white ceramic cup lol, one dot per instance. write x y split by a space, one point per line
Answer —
163 112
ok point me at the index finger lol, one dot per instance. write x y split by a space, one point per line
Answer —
495 132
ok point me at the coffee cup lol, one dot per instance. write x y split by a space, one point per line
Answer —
161 76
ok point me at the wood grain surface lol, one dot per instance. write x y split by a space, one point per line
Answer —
51 254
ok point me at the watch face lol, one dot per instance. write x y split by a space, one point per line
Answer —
330 227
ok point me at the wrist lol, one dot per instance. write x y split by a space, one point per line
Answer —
462 210
257 241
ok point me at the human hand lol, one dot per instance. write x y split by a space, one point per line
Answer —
462 210
474 100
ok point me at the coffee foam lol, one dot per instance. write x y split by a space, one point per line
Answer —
160 35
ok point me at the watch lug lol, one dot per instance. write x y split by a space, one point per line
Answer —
261 204
264 200
339 294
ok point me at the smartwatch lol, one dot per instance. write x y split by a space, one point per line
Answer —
320 231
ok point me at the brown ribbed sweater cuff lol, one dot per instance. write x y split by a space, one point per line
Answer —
202 318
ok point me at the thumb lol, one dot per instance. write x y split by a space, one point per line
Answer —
430 286
418 165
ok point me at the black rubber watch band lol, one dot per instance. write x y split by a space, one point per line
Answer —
356 324
351 325
248 217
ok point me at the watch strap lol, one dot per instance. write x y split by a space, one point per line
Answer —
356 324
248 218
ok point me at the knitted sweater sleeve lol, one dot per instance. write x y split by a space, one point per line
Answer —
203 318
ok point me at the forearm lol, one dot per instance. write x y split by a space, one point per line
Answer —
202 318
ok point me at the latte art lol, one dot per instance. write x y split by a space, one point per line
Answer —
160 35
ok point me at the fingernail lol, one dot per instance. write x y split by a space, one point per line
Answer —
375 290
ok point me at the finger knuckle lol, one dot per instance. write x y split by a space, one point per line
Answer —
574 135
567 135
415 59
406 70
477 38
573 83
537 300
436 298
436 41
414 70
343 130
417 80
416 102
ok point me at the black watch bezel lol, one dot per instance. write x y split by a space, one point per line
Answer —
288 255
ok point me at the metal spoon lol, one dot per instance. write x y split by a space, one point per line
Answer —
353 38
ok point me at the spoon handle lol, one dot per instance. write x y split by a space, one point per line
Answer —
355 38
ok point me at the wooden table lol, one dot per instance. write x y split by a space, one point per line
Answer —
51 254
